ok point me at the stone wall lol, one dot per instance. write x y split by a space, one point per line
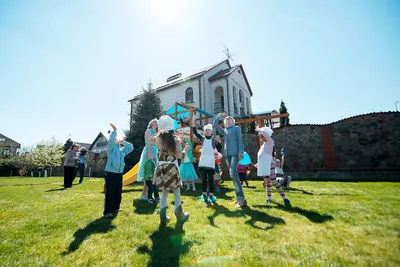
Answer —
362 143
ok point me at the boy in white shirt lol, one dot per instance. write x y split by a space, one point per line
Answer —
280 176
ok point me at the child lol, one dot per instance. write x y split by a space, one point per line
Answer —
116 153
233 152
217 175
266 164
187 171
71 158
281 178
166 175
82 164
242 171
148 162
207 160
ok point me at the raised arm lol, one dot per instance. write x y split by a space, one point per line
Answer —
283 159
113 137
127 148
196 133
217 126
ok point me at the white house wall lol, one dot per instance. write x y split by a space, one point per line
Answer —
237 80
177 94
208 90
214 85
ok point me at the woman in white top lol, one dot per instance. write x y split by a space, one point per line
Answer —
266 164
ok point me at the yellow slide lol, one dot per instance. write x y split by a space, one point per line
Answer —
129 177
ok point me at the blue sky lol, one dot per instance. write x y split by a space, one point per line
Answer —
69 67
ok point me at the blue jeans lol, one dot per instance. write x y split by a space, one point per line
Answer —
233 162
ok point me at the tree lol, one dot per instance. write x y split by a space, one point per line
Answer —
148 108
48 155
283 110
23 162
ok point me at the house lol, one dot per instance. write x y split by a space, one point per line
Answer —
8 147
100 143
214 89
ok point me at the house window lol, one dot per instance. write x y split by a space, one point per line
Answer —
6 152
2 139
189 95
102 143
248 105
235 111
240 96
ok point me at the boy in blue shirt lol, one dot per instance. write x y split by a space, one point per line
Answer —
116 152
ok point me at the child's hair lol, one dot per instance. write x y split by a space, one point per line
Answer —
151 123
168 141
229 117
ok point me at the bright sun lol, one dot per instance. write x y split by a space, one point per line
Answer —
168 12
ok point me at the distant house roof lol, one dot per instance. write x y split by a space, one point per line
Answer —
105 134
9 141
101 134
185 78
224 73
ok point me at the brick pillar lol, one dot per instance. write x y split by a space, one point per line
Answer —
328 146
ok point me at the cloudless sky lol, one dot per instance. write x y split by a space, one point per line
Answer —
69 67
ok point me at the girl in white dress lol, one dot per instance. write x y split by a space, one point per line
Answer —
266 164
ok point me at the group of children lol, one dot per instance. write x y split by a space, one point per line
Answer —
160 170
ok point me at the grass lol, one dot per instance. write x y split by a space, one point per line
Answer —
330 224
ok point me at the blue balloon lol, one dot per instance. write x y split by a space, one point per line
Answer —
175 125
246 159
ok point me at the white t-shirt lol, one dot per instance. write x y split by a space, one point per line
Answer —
278 170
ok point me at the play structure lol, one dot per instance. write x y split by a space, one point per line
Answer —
182 113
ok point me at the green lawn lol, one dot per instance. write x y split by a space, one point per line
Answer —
330 224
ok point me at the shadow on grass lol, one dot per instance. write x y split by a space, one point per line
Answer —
254 216
320 194
54 190
167 246
313 216
100 225
143 206
197 194
132 190
299 190
6 185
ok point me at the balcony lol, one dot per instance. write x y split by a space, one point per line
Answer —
218 107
